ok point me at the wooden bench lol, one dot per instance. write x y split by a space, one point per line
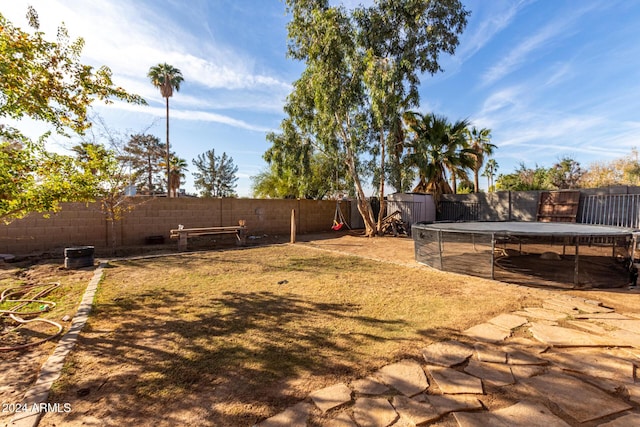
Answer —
183 234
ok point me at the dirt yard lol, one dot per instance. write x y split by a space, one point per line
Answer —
190 340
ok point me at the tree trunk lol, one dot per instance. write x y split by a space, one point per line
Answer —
364 207
476 180
167 154
383 203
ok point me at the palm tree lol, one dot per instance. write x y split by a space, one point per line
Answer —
166 78
177 168
490 171
479 143
435 146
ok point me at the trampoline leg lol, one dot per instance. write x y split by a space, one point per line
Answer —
576 269
493 255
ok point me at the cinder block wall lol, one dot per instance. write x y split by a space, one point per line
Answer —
79 224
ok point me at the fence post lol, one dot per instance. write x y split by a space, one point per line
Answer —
293 225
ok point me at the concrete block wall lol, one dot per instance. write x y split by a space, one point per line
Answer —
79 224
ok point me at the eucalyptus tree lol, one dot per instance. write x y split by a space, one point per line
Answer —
323 178
402 40
362 71
436 146
167 78
481 148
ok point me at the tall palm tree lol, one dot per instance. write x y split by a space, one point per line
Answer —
490 171
177 168
478 140
166 78
436 146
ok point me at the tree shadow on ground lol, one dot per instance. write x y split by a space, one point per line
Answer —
232 363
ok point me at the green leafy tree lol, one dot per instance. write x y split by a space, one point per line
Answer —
402 40
566 174
324 178
525 179
167 78
216 175
621 171
144 154
339 103
481 148
435 147
45 81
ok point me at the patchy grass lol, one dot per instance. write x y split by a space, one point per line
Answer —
229 338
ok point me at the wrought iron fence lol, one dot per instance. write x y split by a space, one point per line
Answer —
620 210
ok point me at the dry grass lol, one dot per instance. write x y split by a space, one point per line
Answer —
229 338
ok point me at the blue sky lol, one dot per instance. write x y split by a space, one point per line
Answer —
551 78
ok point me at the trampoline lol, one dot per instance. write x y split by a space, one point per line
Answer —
533 253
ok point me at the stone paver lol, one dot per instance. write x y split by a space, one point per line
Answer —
414 411
531 414
598 363
455 402
625 325
295 416
451 381
564 390
544 314
568 367
586 307
516 356
508 321
595 316
497 374
480 419
405 376
374 412
530 345
588 327
624 421
624 338
447 353
560 307
634 392
331 397
370 386
490 353
565 337
487 332
521 372
341 420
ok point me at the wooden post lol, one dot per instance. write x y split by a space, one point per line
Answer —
293 225
182 241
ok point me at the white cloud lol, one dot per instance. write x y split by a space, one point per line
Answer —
194 115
